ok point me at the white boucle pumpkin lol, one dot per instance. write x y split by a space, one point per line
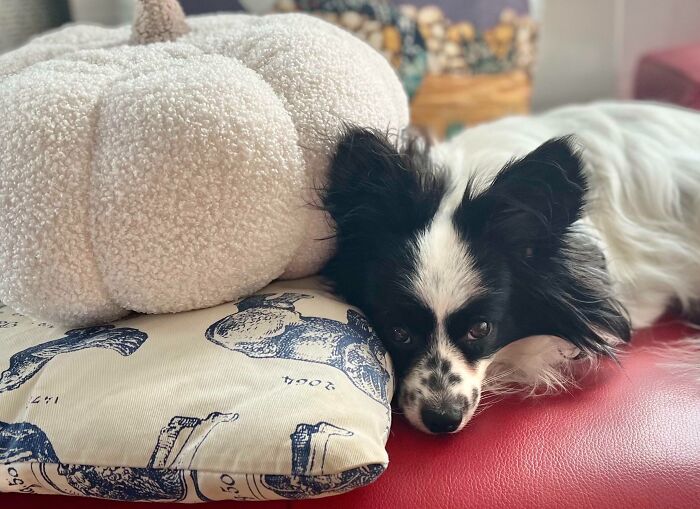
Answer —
170 166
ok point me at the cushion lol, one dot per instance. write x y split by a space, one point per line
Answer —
283 395
138 175
671 75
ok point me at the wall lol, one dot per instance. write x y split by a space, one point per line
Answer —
103 12
653 24
589 49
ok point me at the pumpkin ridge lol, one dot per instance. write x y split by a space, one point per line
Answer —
190 178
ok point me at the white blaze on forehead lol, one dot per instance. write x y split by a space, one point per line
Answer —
445 277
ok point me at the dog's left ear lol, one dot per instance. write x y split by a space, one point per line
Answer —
532 200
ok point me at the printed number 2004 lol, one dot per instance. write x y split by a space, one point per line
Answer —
310 382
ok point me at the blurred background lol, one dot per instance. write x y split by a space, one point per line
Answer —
467 61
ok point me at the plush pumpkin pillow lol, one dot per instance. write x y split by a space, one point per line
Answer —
282 395
167 167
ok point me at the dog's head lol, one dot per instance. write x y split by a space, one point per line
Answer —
450 277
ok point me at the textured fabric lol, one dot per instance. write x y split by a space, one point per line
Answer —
158 21
174 176
282 395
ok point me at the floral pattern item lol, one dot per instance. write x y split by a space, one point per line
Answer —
423 39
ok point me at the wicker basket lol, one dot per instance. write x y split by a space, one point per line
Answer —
445 103
458 72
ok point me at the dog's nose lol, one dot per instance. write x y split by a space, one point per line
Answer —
442 420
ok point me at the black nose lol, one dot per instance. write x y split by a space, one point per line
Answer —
442 420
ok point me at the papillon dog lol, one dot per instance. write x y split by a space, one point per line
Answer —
517 250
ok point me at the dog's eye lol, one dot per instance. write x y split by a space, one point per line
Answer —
401 336
479 330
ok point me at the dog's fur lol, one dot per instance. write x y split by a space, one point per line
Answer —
551 236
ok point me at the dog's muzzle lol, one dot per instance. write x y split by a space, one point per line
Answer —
442 419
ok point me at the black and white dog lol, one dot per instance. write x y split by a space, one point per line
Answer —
513 231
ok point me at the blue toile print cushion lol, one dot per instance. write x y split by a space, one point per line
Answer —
284 395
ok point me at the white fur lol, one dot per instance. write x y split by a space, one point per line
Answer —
444 277
642 162
471 380
681 356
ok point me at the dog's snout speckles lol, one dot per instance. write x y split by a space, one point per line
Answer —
440 393
440 377
445 366
435 382
432 362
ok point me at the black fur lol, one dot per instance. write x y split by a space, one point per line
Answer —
532 200
378 198
542 276
522 226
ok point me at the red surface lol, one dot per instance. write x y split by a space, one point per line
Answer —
671 75
631 439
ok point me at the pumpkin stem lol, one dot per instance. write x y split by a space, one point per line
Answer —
158 21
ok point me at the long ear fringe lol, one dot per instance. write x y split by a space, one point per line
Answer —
681 357
533 199
539 366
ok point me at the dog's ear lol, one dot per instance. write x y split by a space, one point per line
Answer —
533 200
376 189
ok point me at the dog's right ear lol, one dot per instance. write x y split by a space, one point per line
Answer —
377 189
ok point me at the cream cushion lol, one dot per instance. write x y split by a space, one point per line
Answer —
283 395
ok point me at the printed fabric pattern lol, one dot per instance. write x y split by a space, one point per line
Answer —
293 361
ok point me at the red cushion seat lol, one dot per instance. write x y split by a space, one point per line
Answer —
630 440
671 75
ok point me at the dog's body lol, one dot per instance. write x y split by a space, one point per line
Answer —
502 235
642 166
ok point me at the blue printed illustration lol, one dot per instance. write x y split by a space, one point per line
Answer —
309 448
26 363
23 441
125 483
162 479
282 332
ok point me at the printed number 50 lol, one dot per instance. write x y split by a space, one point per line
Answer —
230 484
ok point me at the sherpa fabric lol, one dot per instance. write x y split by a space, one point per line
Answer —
282 395
174 175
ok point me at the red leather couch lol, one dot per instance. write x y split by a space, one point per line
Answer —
631 439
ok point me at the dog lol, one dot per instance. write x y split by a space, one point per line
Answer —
519 249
